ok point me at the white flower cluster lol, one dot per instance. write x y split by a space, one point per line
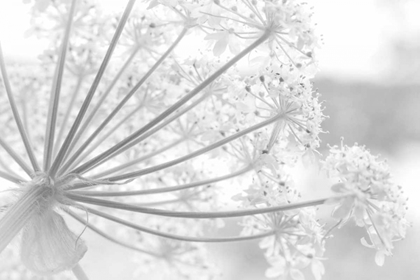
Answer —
371 198
192 96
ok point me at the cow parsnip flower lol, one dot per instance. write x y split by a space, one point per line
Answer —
141 119
372 199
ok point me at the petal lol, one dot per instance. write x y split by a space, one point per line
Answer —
220 46
318 269
296 274
48 246
380 258
343 210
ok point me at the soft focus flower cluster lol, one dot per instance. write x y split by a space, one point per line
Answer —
237 75
371 198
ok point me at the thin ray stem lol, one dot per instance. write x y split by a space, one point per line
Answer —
274 134
6 166
16 115
178 237
138 160
125 99
16 157
24 106
94 111
105 235
55 92
197 215
199 152
79 272
66 118
174 107
154 129
64 148
167 189
18 215
102 139
11 177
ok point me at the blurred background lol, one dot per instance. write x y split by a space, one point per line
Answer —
369 80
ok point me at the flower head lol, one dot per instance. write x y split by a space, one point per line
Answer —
371 198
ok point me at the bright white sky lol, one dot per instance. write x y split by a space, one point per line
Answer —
354 32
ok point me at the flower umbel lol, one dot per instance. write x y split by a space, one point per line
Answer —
129 125
372 199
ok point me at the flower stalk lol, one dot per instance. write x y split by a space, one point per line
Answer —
241 101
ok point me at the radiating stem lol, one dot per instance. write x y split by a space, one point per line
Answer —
174 107
153 130
64 148
79 272
55 92
138 160
105 235
204 150
24 105
16 115
68 111
167 189
98 105
197 215
178 237
102 139
16 157
11 177
125 99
